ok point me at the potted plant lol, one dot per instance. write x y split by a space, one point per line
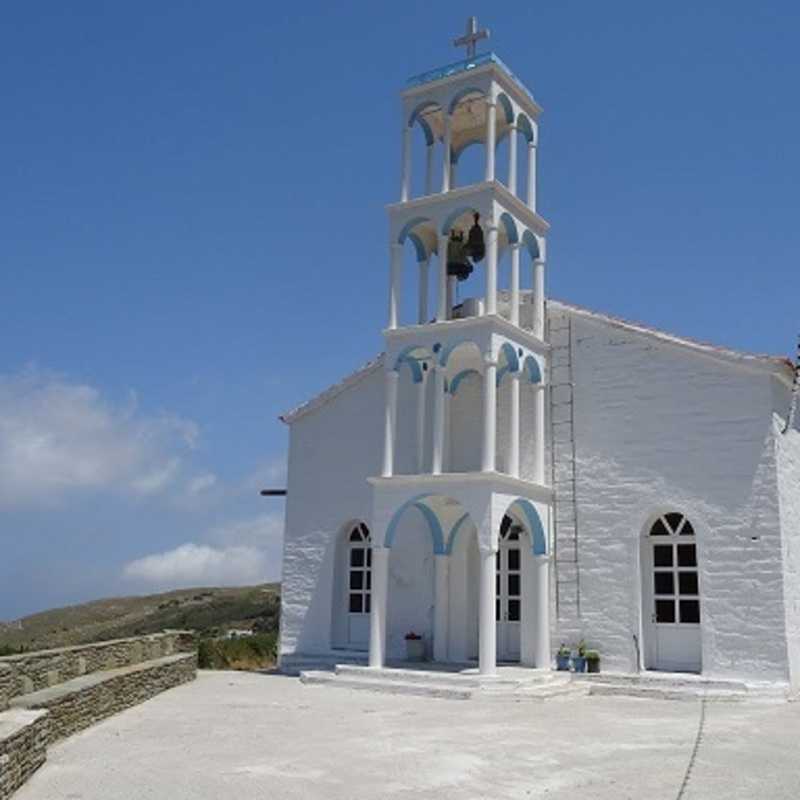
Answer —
592 661
562 658
415 647
579 660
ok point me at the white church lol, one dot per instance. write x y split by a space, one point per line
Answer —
514 473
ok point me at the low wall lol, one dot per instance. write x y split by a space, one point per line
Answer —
23 745
31 672
91 698
6 684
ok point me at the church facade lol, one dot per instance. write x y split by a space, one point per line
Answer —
513 473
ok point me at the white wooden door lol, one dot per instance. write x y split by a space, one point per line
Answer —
508 606
359 587
674 596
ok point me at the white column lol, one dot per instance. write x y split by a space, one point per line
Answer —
491 268
487 631
377 614
541 640
451 295
512 159
438 420
424 271
441 564
429 150
446 154
532 176
538 298
441 313
421 396
390 418
395 283
514 316
489 415
538 433
405 183
513 427
491 118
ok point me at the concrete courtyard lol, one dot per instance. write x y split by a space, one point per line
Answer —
254 736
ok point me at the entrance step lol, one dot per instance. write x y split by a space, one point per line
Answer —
452 683
295 663
676 686
388 686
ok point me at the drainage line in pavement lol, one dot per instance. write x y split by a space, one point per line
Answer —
700 727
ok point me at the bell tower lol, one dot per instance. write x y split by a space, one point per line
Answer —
497 338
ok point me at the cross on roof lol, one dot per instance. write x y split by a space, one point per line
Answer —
471 37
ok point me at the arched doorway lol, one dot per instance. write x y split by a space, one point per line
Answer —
508 604
671 595
358 586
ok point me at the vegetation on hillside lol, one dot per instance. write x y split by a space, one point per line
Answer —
246 652
208 611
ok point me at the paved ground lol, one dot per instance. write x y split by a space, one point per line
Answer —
256 736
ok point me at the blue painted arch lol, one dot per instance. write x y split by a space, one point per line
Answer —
413 356
460 524
510 359
532 244
409 226
525 127
505 104
510 227
434 525
530 367
533 523
456 380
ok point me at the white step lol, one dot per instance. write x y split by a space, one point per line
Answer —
294 664
406 675
672 680
441 690
667 692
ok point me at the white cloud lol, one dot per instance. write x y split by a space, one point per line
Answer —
200 565
201 483
240 552
58 436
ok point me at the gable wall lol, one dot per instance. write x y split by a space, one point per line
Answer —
332 451
659 428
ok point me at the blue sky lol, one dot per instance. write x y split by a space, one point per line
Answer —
193 238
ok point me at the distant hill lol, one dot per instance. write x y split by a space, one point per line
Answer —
210 611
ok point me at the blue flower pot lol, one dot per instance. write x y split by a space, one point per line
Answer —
579 663
562 663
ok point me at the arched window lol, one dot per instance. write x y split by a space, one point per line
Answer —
359 577
676 592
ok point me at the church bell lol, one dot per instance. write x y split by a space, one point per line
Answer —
476 247
458 263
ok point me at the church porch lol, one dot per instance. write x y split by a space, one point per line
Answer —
465 593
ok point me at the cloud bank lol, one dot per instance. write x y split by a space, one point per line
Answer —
58 437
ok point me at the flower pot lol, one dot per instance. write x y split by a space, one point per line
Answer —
593 665
579 663
562 663
415 649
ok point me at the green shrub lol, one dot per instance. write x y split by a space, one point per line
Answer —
248 652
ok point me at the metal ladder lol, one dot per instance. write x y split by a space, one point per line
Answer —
563 468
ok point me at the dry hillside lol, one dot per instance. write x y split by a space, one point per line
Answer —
209 611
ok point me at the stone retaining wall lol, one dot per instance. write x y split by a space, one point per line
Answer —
6 684
85 701
23 744
31 672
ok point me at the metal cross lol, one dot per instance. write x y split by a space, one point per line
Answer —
471 37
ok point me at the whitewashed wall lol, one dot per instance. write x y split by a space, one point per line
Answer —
788 449
659 428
